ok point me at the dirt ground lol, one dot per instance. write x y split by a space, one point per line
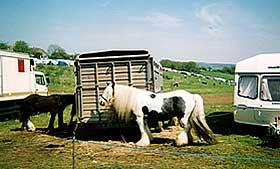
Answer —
210 99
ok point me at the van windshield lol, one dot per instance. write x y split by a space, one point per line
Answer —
40 79
270 88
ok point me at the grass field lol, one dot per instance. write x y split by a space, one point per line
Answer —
237 148
62 78
217 97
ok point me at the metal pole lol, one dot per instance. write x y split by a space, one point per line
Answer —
73 147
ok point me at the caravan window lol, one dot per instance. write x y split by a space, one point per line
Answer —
270 88
248 86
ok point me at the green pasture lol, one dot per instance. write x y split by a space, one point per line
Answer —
62 78
204 87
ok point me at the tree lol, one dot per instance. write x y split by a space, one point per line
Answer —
56 52
190 66
53 48
21 46
4 45
229 70
59 54
186 66
37 54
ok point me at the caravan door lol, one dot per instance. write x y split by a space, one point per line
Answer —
270 99
246 98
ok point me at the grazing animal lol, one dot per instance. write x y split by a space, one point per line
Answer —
187 107
55 104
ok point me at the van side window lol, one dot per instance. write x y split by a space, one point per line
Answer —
248 87
270 88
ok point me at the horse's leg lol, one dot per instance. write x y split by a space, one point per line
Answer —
51 122
183 137
30 126
23 120
23 117
148 131
144 141
60 118
24 124
73 113
191 132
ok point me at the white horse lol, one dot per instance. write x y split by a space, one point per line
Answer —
186 106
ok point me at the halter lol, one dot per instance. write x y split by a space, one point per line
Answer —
113 93
104 98
113 87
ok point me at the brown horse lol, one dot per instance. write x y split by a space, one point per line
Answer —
55 104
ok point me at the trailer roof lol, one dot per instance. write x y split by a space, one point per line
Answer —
14 54
262 63
113 54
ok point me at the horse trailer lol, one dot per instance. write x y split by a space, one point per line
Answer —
95 70
257 90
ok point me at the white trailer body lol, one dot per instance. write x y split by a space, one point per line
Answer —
257 90
18 80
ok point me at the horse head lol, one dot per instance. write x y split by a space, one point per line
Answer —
107 95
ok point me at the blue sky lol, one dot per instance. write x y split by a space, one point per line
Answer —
199 30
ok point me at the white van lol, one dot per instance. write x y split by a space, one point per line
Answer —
257 90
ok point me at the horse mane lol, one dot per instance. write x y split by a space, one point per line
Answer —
125 101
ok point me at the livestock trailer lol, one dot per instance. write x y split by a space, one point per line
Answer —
257 90
94 70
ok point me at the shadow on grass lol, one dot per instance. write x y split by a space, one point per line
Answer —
97 133
223 123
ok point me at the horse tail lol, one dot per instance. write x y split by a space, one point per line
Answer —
199 122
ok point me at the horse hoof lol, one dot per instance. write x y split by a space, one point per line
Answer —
182 139
141 144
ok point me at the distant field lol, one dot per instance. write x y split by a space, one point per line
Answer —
218 97
62 78
237 147
217 74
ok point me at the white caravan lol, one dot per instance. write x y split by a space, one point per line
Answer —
18 80
257 90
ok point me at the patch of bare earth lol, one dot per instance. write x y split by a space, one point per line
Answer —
218 99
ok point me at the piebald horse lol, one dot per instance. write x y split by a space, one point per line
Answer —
187 107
